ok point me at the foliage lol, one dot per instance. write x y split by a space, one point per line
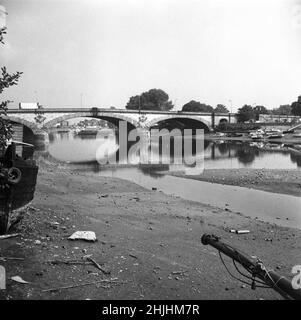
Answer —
6 80
285 109
246 113
296 107
236 127
221 109
260 110
196 106
154 99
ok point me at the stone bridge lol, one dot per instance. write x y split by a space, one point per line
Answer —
39 120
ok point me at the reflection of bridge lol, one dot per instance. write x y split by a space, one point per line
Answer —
45 118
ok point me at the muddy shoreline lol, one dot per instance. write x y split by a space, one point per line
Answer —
149 241
271 180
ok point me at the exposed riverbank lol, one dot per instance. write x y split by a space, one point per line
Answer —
272 180
286 139
147 240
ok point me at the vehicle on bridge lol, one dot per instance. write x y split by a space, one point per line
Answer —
32 105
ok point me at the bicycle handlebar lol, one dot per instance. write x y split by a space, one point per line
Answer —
271 278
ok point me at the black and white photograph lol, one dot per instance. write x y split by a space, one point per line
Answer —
150 151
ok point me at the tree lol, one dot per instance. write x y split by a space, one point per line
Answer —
260 110
196 106
296 107
221 109
246 113
6 80
154 99
284 109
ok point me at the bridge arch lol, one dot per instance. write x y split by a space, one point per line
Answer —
32 126
188 121
113 118
223 120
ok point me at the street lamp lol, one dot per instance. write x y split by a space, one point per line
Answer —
81 100
230 105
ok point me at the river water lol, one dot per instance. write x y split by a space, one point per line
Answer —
81 154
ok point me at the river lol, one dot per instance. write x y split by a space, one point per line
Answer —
81 154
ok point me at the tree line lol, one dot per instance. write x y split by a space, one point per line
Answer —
157 99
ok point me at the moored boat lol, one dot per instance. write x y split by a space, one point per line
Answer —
18 175
275 136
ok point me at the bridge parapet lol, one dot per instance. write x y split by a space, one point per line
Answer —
38 119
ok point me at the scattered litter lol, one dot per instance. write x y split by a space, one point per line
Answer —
18 279
239 231
5 236
268 239
104 195
178 272
83 235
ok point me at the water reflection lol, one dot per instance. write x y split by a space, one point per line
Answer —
71 148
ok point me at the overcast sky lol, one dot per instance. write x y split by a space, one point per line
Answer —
212 51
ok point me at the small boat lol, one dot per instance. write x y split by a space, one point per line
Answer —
288 131
256 136
234 134
88 131
275 136
18 175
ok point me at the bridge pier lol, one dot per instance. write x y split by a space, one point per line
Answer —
213 120
41 139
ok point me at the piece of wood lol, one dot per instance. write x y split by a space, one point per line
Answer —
69 262
6 236
80 285
98 266
10 258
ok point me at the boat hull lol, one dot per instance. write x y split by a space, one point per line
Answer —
16 196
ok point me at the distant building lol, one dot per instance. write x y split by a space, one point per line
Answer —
278 118
64 124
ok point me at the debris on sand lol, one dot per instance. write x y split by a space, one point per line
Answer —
112 281
239 231
83 235
19 279
6 236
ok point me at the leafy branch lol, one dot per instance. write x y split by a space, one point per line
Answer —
6 80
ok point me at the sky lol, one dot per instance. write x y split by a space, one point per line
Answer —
101 52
